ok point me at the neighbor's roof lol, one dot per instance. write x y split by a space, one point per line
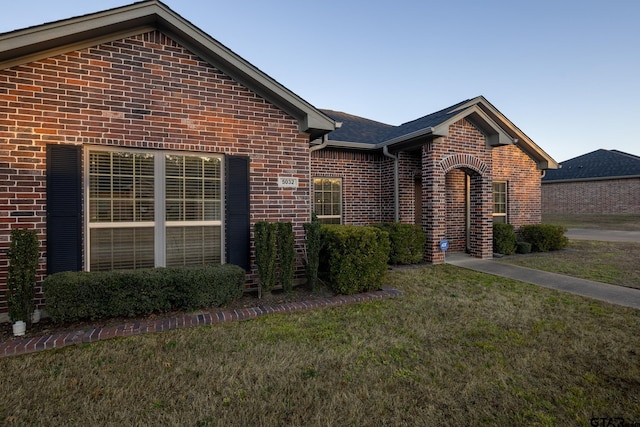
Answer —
360 133
599 164
42 41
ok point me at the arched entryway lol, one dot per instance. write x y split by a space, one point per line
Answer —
456 205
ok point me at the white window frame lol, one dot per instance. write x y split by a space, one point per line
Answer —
159 203
506 201
328 217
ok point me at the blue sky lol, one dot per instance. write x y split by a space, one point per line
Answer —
566 72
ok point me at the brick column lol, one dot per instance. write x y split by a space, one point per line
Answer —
433 204
481 238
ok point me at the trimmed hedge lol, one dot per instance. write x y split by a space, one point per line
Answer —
313 244
265 234
354 257
72 296
286 242
544 237
407 242
21 274
504 239
275 254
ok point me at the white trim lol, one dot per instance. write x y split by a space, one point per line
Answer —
504 214
193 223
321 217
160 235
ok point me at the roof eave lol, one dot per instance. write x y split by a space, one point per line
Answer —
421 133
351 145
598 178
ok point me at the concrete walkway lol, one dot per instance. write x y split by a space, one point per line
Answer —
620 295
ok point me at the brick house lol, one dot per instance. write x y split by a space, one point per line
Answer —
454 172
130 139
602 182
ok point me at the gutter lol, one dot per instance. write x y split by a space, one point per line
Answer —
597 178
396 183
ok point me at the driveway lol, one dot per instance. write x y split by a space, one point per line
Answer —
603 235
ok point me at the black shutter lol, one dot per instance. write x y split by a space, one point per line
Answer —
237 211
64 209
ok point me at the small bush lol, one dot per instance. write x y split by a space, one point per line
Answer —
407 242
544 237
266 254
21 274
523 247
313 245
72 296
286 254
355 257
504 239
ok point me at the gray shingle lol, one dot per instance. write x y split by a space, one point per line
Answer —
597 164
359 129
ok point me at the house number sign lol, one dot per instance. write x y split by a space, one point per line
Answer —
287 182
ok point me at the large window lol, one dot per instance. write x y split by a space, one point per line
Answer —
500 202
153 209
327 200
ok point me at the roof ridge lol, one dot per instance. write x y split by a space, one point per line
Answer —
622 153
450 108
353 116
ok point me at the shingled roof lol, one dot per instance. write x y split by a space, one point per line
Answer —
359 129
360 133
599 164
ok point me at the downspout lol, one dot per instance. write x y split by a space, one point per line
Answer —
396 182
325 142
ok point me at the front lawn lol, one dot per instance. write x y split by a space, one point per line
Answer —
608 262
601 222
459 348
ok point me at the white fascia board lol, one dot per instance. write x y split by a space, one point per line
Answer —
415 134
352 145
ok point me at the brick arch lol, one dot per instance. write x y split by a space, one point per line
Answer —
467 161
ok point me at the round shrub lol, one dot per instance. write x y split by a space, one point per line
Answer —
504 239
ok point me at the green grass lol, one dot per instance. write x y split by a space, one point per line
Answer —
459 348
603 222
607 262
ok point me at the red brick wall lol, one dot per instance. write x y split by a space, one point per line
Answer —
523 179
409 169
361 174
143 92
610 196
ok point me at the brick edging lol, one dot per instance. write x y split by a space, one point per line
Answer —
49 342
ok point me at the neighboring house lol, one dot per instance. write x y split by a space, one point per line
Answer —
129 139
600 182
